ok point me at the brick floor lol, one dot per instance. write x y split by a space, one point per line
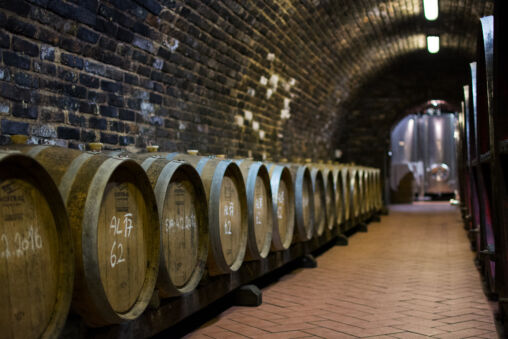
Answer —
410 276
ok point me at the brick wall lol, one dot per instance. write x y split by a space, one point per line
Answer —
238 77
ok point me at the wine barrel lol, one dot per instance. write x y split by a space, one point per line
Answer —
331 194
183 213
372 190
338 194
283 200
318 190
227 210
36 254
345 177
355 193
304 201
362 191
378 189
115 229
259 206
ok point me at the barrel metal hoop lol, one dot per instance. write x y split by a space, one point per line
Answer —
36 150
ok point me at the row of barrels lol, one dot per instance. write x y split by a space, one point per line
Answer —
483 155
102 231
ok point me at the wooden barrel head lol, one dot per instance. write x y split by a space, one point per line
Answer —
262 215
121 239
36 260
230 219
307 205
283 207
121 245
318 193
183 212
259 205
339 196
330 201
346 191
180 236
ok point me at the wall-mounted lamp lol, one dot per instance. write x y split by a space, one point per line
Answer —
431 9
433 44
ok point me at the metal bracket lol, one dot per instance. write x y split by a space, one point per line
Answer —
489 253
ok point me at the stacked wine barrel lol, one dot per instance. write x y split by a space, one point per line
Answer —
483 155
102 232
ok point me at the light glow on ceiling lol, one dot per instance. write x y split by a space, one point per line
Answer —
433 44
431 9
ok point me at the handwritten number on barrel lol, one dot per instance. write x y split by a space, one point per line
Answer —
116 256
229 210
30 241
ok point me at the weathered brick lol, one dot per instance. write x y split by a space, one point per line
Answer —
71 60
111 86
68 132
77 120
89 81
109 111
109 138
26 80
88 136
17 26
14 93
14 127
47 53
87 35
18 7
97 123
15 60
5 40
25 46
126 114
124 35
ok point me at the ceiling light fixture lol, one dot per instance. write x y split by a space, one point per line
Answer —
431 9
433 44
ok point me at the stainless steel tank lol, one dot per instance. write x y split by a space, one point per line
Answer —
424 144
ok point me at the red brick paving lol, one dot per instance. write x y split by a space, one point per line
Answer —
410 276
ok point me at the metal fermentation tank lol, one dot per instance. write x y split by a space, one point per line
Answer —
424 144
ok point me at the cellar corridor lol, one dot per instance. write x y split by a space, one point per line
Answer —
411 276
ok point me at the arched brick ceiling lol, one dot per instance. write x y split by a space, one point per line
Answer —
367 35
372 41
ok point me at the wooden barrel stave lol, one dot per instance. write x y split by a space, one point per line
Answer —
319 196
